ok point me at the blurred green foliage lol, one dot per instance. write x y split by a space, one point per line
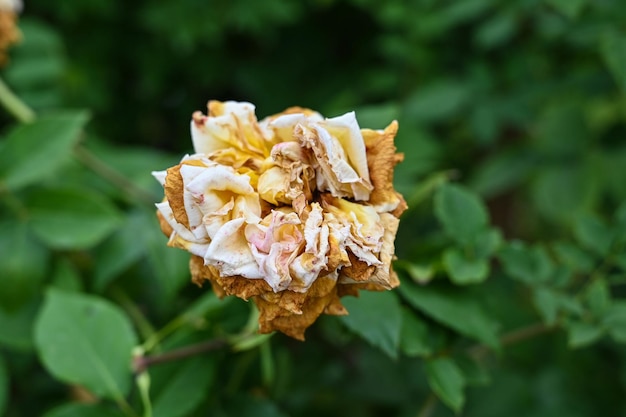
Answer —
512 255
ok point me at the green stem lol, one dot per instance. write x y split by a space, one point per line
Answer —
91 161
155 338
14 105
429 406
14 204
125 407
143 325
512 338
143 384
601 270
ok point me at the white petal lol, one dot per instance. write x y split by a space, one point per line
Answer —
165 209
222 178
230 253
160 176
346 129
307 267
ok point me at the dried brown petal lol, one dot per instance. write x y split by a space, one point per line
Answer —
273 317
174 189
9 32
381 160
384 274
358 270
236 285
165 226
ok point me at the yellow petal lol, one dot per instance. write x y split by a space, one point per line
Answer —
273 185
229 124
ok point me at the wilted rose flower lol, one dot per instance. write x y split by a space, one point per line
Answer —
9 33
293 211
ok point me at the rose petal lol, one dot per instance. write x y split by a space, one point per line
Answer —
308 266
230 252
275 245
381 160
340 155
229 124
273 317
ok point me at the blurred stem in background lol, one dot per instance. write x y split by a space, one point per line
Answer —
14 105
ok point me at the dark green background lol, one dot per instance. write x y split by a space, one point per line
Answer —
523 102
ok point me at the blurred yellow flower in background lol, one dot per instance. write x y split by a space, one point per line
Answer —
293 211
9 32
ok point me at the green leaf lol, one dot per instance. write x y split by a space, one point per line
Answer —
570 8
502 171
563 120
560 193
420 273
31 152
186 389
134 163
455 308
446 380
464 270
436 101
122 249
16 327
414 335
580 334
37 65
421 152
594 234
496 30
426 187
613 49
252 406
620 215
486 243
598 297
531 265
460 211
86 340
71 218
170 267
377 318
66 276
205 305
83 410
377 116
573 257
615 321
139 237
4 386
474 373
23 262
550 303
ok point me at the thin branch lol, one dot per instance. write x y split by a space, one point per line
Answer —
14 105
141 363
91 161
429 406
139 319
478 351
512 338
